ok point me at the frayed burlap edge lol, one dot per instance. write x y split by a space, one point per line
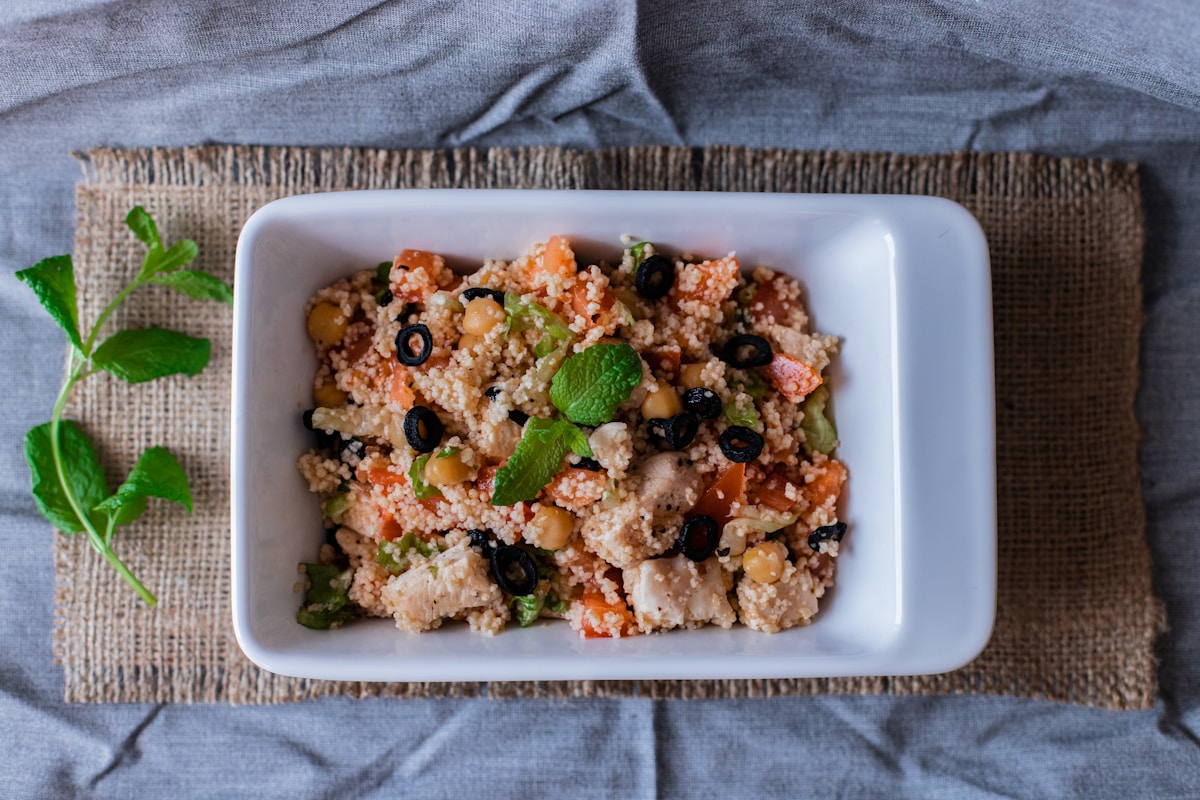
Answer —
1106 660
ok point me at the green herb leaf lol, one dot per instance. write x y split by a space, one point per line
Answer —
589 386
526 314
327 600
577 440
53 281
196 284
537 458
143 227
142 355
383 272
81 468
527 608
156 474
178 255
638 251
416 473
820 435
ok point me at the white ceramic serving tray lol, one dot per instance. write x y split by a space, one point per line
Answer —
905 283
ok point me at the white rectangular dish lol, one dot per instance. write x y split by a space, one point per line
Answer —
903 281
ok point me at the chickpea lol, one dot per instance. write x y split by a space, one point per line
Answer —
328 395
689 376
468 340
764 562
662 404
481 315
443 470
326 324
550 528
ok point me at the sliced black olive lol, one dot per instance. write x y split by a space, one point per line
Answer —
590 464
306 418
404 352
655 277
492 392
825 533
740 444
385 298
479 538
677 431
698 538
479 291
704 403
422 429
405 312
353 448
760 351
518 416
514 571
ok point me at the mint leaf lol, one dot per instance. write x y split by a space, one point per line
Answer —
142 355
81 468
156 474
820 435
589 386
143 227
575 439
178 255
327 599
53 281
537 458
196 284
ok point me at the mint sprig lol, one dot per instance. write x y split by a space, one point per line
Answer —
537 458
68 484
589 386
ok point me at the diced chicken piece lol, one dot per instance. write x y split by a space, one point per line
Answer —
362 514
773 607
450 583
613 447
664 488
676 592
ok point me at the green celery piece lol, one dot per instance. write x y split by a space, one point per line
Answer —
326 601
820 435
734 416
416 473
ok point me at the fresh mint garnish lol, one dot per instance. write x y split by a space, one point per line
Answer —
537 458
68 484
589 386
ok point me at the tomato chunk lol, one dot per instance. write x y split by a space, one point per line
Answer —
773 493
826 487
602 619
792 377
726 490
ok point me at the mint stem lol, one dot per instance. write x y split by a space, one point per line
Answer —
76 372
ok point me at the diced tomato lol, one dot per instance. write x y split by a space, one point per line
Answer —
576 487
580 303
595 622
419 259
665 360
391 529
726 490
399 391
827 487
415 275
380 475
354 351
792 377
773 493
486 479
558 258
767 302
709 281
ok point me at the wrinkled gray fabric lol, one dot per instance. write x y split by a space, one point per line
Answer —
1111 79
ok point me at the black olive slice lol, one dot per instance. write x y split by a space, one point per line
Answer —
422 429
479 538
514 570
702 402
655 277
404 352
476 292
677 431
759 354
518 416
590 464
827 532
699 537
740 444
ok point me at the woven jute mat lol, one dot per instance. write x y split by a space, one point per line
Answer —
1076 617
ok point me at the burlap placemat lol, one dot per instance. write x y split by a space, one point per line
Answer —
1076 620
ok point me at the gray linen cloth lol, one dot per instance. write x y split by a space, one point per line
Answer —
1097 79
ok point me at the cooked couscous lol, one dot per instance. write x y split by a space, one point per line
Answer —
630 447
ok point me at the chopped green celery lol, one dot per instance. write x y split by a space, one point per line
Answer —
638 251
433 570
526 608
416 474
747 417
556 604
446 452
820 435
526 314
336 505
393 556
326 601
